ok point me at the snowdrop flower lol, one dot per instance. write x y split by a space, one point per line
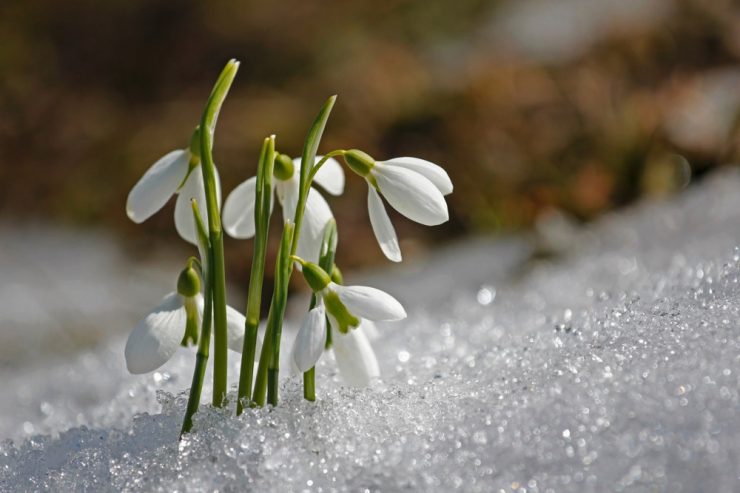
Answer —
177 172
238 213
346 307
352 351
175 321
414 187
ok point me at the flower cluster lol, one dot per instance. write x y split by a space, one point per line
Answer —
340 317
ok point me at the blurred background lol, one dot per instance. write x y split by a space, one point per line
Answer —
542 111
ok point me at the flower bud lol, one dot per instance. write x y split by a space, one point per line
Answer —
284 168
188 284
360 162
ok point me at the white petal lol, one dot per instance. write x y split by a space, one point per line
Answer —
156 338
315 218
288 367
355 358
369 328
310 340
382 226
330 176
200 303
287 194
235 323
193 189
434 173
369 303
411 194
333 322
157 185
238 213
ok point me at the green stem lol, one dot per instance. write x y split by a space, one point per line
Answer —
201 360
207 127
309 385
284 267
272 386
204 342
326 262
269 366
254 298
270 356
260 382
325 158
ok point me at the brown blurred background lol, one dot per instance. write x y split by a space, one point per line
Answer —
531 105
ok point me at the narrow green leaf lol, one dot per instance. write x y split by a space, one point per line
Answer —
313 139
308 158
218 95
254 297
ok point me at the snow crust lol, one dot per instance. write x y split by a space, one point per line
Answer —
615 367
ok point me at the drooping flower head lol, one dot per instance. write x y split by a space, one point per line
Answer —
346 307
174 322
414 187
177 172
238 213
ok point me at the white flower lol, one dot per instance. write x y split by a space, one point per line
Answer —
347 308
414 187
352 351
238 212
177 172
156 338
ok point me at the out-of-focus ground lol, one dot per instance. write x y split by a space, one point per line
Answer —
580 105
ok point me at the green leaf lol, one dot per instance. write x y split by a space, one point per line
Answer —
218 95
311 146
328 246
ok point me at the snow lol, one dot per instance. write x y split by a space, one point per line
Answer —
613 367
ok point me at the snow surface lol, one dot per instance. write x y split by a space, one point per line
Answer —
613 368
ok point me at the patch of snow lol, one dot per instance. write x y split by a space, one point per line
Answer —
615 368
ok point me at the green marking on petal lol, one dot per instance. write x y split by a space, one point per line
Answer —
337 309
191 326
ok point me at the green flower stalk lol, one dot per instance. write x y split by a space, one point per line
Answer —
215 232
266 384
267 372
263 207
204 342
326 262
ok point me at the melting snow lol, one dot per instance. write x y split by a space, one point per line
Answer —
613 368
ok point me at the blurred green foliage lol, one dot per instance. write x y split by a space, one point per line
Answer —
580 105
